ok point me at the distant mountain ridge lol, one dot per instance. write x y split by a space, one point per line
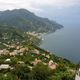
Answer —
27 21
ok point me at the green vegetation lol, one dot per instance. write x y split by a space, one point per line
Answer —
33 64
13 35
41 72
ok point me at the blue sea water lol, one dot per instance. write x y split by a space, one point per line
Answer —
64 42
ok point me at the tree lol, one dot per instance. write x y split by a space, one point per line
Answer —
7 76
41 72
22 71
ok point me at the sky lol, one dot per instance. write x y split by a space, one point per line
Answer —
59 10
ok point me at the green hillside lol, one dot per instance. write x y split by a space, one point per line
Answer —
21 59
14 35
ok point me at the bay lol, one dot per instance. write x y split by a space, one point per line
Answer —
64 42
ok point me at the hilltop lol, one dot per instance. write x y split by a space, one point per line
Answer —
27 21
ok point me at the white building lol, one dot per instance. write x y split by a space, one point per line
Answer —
52 65
4 66
7 60
77 77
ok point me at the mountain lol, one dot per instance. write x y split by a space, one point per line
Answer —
27 21
7 32
11 35
20 57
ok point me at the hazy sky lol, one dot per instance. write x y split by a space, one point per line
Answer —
59 10
38 5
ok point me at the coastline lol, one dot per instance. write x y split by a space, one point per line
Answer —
51 47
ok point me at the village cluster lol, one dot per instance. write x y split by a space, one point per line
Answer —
14 50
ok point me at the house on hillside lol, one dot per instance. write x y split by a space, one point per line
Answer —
4 52
23 50
52 65
14 53
36 61
35 51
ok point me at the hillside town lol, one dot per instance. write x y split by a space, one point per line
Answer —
14 50
17 54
